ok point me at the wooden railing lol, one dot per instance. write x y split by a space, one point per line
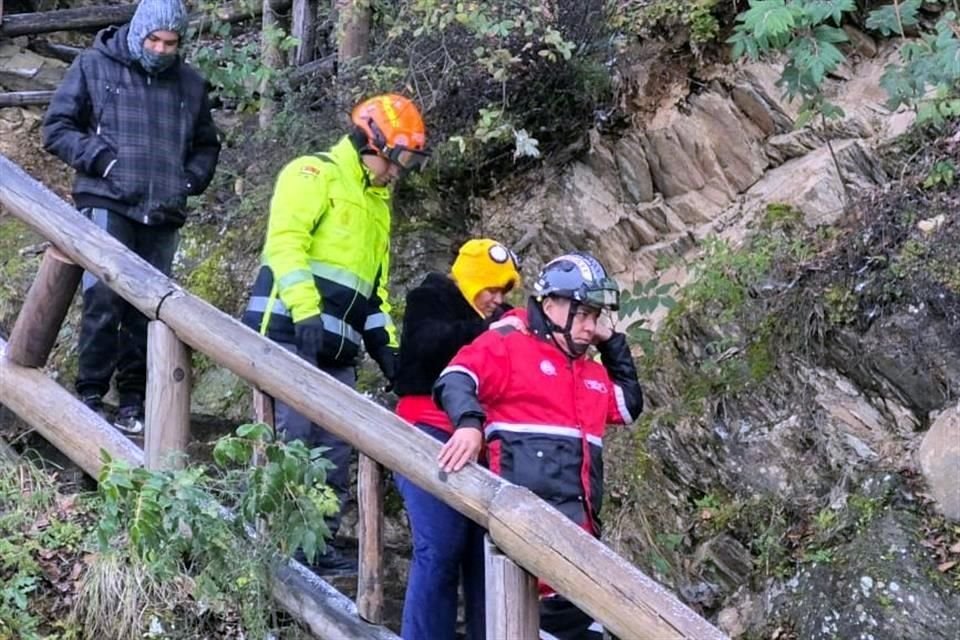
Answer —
524 529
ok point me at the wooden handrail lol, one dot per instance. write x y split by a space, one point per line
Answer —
535 535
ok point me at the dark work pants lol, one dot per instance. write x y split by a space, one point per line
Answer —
295 426
560 619
113 334
447 546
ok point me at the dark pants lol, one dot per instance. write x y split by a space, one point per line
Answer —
560 619
113 334
295 426
446 547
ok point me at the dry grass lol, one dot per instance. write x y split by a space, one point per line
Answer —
118 598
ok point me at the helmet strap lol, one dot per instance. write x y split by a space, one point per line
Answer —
573 350
361 142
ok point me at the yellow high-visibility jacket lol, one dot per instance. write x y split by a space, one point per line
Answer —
327 253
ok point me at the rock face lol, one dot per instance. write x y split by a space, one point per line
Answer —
705 164
939 457
704 168
858 595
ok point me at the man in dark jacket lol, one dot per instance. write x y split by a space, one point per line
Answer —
443 314
134 121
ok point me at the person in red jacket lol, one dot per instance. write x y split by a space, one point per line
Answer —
444 313
541 404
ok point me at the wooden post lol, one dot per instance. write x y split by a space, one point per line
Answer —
370 535
167 424
263 409
513 604
303 28
271 59
42 314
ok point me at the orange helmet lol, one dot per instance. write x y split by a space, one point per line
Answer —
394 129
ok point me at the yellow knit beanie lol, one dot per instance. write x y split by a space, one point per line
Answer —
483 264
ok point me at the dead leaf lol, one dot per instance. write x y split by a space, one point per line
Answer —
76 571
946 566
955 548
66 503
39 525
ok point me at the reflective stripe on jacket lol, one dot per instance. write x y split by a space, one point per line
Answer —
326 253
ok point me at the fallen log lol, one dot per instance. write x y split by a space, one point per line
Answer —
321 67
49 49
21 24
25 98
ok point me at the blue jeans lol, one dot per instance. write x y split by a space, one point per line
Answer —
446 547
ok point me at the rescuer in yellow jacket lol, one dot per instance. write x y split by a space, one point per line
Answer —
322 286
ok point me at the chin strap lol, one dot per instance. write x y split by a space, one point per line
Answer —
573 349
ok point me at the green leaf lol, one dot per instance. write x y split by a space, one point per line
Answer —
825 33
820 10
889 19
255 431
768 19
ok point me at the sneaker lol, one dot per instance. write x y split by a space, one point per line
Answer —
330 563
94 402
129 420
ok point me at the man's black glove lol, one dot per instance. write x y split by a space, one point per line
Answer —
389 361
309 337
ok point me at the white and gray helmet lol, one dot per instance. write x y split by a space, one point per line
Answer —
579 277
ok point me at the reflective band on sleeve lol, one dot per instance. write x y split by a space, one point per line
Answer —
260 304
294 277
375 321
342 277
622 405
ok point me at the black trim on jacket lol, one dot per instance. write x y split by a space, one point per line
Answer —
618 361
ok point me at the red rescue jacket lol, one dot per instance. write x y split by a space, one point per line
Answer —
546 414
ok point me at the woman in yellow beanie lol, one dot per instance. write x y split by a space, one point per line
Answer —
443 314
